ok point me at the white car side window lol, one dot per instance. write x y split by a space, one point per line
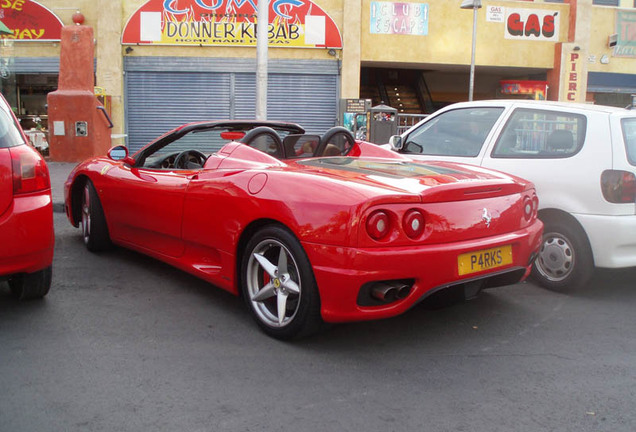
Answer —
459 132
540 134
629 135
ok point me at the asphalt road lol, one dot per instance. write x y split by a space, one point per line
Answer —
126 343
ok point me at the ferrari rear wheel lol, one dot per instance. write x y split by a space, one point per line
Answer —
278 284
94 228
29 286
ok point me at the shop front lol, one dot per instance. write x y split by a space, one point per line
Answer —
173 87
25 81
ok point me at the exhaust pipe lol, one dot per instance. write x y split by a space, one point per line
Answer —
390 291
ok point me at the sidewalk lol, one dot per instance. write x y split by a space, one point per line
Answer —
59 171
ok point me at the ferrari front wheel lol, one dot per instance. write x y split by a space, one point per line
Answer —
278 284
94 228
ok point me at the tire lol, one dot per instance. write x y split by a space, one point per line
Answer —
285 304
565 260
93 223
27 286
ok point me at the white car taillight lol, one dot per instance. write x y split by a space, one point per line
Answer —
618 186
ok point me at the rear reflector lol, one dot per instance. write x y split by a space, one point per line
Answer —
619 186
30 173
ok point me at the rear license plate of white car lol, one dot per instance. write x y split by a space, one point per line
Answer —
473 262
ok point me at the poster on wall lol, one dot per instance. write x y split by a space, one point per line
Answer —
626 34
27 20
532 24
292 24
399 18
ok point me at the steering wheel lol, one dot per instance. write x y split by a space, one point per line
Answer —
190 159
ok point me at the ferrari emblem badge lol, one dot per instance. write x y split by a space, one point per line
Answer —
485 216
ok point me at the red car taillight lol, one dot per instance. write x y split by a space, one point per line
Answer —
30 173
618 186
378 224
413 223
530 207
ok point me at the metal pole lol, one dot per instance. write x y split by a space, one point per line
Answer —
472 57
261 59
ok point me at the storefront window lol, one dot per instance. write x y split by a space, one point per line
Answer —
7 75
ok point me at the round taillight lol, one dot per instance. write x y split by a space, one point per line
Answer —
529 207
378 224
413 223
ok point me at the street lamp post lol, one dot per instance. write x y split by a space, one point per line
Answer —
261 59
474 5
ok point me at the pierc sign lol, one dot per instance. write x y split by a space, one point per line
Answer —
573 81
29 21
292 23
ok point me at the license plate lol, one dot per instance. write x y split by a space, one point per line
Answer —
473 262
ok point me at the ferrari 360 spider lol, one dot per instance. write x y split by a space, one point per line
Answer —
306 228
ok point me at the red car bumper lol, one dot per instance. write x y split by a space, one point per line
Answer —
341 273
26 234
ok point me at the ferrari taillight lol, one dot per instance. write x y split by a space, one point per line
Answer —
30 173
530 207
378 224
618 186
413 223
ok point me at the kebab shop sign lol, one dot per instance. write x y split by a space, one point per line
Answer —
292 23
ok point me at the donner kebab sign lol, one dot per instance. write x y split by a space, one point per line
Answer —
292 23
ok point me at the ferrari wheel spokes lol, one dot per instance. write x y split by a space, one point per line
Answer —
273 291
278 285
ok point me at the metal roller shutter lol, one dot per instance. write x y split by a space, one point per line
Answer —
29 65
157 102
162 93
309 100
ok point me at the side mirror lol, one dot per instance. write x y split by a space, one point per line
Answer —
396 142
120 153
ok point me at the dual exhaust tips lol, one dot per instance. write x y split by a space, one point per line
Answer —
390 291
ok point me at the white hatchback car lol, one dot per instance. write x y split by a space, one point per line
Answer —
582 159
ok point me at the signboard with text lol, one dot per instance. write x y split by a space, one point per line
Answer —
495 13
532 24
292 23
626 34
399 18
29 21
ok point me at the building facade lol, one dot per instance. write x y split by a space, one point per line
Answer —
161 63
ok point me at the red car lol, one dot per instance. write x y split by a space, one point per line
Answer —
26 212
308 229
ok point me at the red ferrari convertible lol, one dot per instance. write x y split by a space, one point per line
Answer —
307 229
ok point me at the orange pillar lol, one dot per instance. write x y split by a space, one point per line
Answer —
78 129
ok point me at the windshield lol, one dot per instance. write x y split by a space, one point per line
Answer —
459 132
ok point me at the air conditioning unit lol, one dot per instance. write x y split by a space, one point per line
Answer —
612 40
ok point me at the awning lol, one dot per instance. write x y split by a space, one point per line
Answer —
605 82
